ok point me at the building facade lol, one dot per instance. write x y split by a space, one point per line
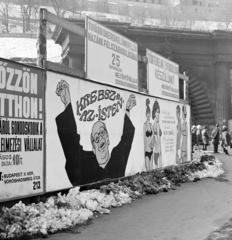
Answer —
205 9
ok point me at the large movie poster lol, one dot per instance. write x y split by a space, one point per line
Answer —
110 57
96 132
21 130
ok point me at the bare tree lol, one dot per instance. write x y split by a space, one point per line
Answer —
60 7
140 14
36 7
188 19
4 10
26 7
170 16
73 6
224 13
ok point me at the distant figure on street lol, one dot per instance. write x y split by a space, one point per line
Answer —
194 137
198 136
226 140
215 137
205 138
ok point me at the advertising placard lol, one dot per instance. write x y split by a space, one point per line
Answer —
110 57
96 132
163 76
21 130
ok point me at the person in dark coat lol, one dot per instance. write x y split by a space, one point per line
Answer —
226 140
215 138
194 136
198 136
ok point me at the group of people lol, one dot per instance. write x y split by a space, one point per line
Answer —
200 136
225 139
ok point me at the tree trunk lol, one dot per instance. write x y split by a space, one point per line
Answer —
7 25
24 29
28 21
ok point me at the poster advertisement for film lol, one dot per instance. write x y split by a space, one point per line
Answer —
163 76
21 130
110 57
96 132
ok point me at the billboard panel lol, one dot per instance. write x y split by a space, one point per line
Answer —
96 132
110 57
163 76
21 130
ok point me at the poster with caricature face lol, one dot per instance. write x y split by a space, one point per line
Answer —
97 132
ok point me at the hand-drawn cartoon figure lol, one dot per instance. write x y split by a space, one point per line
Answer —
147 136
178 135
157 135
184 132
82 166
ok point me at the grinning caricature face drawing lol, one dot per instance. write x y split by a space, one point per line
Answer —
100 143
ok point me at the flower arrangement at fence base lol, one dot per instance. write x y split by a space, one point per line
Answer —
65 211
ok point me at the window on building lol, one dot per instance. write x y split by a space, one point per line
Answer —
200 3
195 2
113 7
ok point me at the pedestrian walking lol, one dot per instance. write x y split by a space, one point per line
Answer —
215 137
193 130
198 136
226 140
205 138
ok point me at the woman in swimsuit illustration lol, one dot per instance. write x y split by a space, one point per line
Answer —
157 133
148 135
178 135
184 132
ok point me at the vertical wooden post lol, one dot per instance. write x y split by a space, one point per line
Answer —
42 39
184 90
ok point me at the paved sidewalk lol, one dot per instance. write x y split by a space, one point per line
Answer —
191 212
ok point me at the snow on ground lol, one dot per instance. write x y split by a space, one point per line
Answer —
26 48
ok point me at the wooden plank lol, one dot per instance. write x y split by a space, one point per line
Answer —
64 69
64 24
184 77
41 41
183 101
